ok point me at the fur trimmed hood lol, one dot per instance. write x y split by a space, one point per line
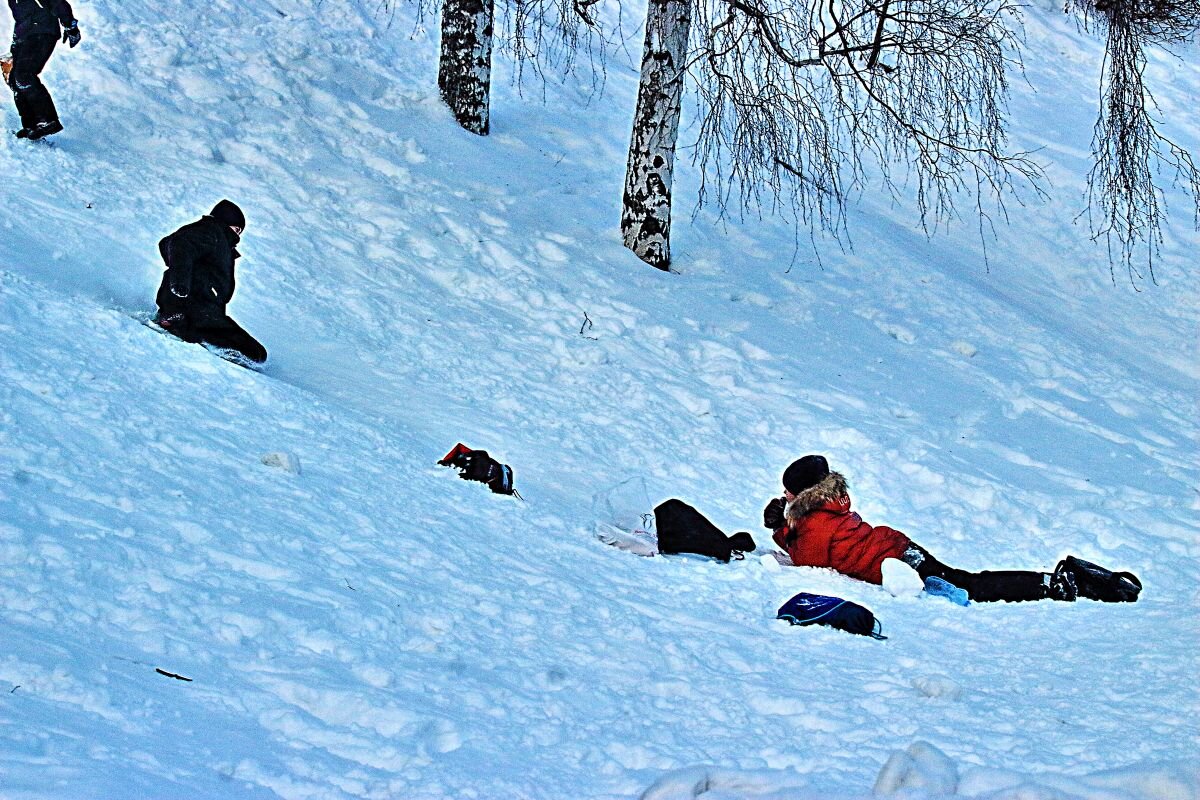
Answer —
822 531
831 488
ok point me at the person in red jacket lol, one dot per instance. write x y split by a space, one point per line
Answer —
814 524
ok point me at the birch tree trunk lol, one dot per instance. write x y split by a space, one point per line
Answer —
646 206
465 66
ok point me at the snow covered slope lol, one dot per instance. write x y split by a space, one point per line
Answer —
356 622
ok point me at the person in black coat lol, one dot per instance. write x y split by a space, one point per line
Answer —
199 282
38 24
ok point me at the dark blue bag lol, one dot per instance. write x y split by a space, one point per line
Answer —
834 612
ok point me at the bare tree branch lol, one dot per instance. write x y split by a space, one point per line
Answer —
1125 203
795 99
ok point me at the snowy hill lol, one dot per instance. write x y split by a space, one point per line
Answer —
356 622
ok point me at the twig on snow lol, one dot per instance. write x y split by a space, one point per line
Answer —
587 325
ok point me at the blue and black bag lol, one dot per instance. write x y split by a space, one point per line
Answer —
833 612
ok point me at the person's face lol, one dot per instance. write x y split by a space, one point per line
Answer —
788 495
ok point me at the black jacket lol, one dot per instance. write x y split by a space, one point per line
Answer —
200 259
39 16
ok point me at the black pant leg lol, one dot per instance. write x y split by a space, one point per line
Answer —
982 587
1010 586
227 334
29 57
926 566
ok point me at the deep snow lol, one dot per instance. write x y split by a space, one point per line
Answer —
357 622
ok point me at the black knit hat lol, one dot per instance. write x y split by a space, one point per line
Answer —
804 473
226 211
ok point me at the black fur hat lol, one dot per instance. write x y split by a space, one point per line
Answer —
804 473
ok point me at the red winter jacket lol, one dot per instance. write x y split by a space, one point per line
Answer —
822 531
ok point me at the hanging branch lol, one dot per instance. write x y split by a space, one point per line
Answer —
794 99
1124 197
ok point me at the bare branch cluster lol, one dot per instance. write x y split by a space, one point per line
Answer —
1125 201
796 98
542 33
539 34
1158 22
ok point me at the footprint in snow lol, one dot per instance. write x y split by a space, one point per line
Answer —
900 334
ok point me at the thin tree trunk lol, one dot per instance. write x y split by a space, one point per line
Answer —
646 207
465 67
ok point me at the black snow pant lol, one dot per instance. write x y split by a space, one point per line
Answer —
29 56
982 587
215 329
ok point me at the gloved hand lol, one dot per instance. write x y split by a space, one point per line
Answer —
773 514
71 33
170 321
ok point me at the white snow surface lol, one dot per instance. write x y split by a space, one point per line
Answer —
356 622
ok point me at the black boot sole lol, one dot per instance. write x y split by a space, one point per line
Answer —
44 130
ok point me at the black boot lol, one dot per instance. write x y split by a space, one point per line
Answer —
1097 583
1061 585
42 129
